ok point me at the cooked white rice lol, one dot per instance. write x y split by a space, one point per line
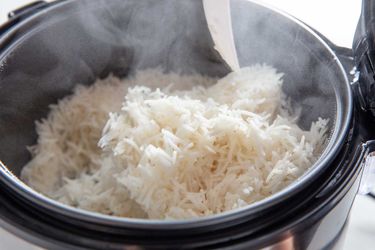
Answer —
191 148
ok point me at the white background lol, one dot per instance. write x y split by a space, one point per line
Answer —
337 20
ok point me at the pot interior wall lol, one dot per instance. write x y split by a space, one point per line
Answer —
79 41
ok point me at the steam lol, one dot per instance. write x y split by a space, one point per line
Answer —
169 34
83 40
263 36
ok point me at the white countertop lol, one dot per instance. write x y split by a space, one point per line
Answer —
336 23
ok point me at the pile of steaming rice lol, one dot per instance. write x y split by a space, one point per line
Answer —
192 148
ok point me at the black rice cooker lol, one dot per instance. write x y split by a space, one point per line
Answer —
47 48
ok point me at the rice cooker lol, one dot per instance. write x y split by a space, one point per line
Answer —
47 48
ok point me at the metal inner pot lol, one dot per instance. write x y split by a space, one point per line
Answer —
73 42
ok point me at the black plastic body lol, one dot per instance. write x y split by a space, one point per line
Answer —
319 225
314 217
364 51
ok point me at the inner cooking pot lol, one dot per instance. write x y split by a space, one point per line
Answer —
72 42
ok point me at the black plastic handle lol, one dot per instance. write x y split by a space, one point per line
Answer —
364 56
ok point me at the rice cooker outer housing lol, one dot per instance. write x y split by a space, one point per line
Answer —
318 223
